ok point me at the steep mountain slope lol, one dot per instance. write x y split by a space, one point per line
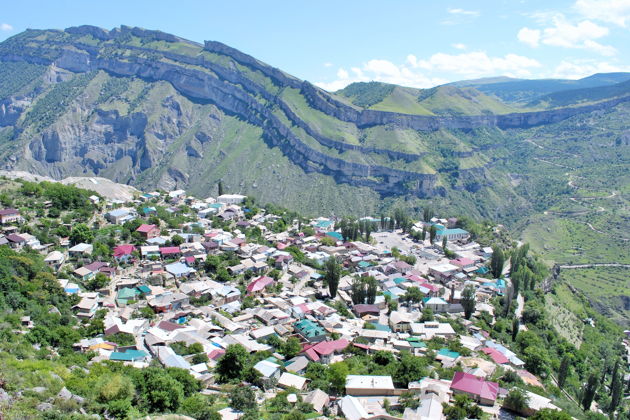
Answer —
154 110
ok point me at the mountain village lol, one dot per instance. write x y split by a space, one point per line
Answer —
182 296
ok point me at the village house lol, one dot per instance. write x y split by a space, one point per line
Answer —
482 391
8 216
148 231
369 385
120 216
55 259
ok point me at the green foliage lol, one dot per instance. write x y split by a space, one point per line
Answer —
517 400
366 94
497 262
332 274
409 400
243 398
549 414
410 368
122 339
468 301
199 407
291 347
112 88
97 282
234 365
48 108
462 408
16 75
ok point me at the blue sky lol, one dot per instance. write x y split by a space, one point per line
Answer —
418 43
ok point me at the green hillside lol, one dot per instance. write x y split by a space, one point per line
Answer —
441 100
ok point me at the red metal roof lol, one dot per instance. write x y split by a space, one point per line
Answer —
471 384
259 284
496 355
169 250
145 228
121 250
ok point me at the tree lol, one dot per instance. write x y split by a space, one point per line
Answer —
549 414
589 390
517 400
99 281
234 364
432 234
427 315
409 369
177 240
468 301
114 386
536 359
413 295
337 373
291 347
497 262
616 389
427 214
199 407
444 243
515 326
371 290
331 276
357 291
563 371
160 392
81 233
243 398
220 188
462 408
408 399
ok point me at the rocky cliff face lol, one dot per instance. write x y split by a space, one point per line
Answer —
102 140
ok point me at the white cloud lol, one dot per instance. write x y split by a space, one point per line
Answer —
564 34
455 11
342 73
459 46
5 27
328 64
610 11
530 37
478 63
579 69
437 69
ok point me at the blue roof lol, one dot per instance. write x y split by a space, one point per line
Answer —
179 269
144 289
324 223
448 353
364 264
452 231
128 356
119 212
381 327
335 235
399 280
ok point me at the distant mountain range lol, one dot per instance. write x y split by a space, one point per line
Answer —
531 91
